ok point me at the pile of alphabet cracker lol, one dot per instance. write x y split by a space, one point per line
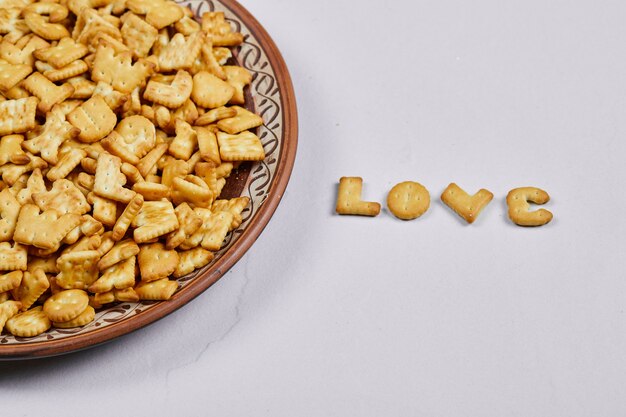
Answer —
120 121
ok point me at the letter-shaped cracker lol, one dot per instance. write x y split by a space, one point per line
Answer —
114 99
211 234
408 200
173 169
10 280
180 52
94 118
46 91
193 190
11 173
12 74
77 269
158 13
83 88
243 120
12 257
63 53
118 253
207 61
9 211
234 206
519 213
466 206
185 141
46 27
138 35
172 95
123 222
127 294
156 218
161 289
104 210
238 77
221 32
45 230
48 264
152 191
110 180
156 262
11 25
32 286
91 28
209 91
74 69
192 259
349 198
189 222
118 69
187 25
54 133
70 159
118 276
150 160
207 144
11 150
216 114
22 53
137 136
64 197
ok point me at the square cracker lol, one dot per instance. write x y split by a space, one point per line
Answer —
138 35
245 146
17 116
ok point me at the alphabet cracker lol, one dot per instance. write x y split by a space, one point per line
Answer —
519 213
349 198
408 200
466 206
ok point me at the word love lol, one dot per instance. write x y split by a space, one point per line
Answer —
409 200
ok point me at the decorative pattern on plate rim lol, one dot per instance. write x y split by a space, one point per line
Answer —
267 102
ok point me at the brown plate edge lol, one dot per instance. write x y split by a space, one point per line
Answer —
231 256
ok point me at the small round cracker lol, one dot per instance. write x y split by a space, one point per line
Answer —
29 323
82 319
66 305
408 200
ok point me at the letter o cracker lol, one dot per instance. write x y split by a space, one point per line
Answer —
82 319
66 305
408 200
210 91
29 323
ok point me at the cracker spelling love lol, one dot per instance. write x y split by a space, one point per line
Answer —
409 200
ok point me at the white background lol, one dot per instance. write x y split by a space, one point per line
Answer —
347 316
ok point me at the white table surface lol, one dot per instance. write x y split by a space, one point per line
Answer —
348 316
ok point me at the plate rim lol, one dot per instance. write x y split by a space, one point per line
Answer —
247 238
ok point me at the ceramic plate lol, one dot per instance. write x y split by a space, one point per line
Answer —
270 95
